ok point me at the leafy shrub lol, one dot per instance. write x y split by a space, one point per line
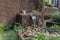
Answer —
54 38
14 26
48 16
46 2
40 36
56 17
2 27
17 26
50 5
8 35
54 27
39 4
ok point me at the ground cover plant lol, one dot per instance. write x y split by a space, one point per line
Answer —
42 36
6 33
56 17
9 34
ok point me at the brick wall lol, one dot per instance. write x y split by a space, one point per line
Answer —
9 9
50 10
27 5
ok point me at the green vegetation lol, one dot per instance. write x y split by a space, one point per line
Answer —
14 26
42 36
54 28
48 16
8 35
4 27
46 0
1 27
39 4
17 26
48 4
54 37
7 31
56 17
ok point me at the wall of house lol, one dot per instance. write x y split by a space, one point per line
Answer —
9 9
59 4
27 5
50 10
